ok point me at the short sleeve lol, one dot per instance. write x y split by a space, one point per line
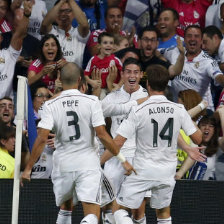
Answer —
88 69
93 39
129 126
80 38
47 121
14 53
213 69
97 114
187 123
35 66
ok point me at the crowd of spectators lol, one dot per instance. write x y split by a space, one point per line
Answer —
184 36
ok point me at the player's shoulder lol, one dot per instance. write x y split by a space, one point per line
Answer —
114 94
72 94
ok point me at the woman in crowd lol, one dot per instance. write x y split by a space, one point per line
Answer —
191 101
47 66
214 147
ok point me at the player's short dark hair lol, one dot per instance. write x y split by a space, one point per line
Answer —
6 132
174 12
147 29
130 61
113 6
210 31
192 26
70 73
157 76
104 34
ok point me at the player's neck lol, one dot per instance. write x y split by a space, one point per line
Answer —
68 87
155 92
131 90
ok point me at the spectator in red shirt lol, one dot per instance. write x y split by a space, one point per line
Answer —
103 63
45 67
190 12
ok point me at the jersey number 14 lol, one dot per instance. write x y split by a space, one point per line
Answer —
167 128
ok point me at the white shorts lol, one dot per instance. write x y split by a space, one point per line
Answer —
115 173
107 191
134 188
82 186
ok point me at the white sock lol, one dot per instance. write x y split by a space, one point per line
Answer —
164 221
139 221
90 219
64 217
108 217
121 216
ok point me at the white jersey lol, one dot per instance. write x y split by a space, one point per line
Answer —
196 74
73 116
117 105
72 45
8 58
157 123
39 11
221 52
43 167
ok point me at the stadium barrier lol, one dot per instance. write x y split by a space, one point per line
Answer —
194 202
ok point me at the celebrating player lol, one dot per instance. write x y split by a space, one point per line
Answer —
156 124
75 117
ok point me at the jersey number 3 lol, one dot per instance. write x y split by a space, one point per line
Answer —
167 127
75 123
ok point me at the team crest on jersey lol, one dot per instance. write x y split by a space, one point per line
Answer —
44 157
196 65
196 15
112 63
2 60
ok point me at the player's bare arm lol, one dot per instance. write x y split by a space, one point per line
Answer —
193 152
113 148
38 147
196 137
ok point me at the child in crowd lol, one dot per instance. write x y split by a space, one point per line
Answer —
103 63
120 42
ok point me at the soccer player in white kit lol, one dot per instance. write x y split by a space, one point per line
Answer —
156 124
117 105
75 118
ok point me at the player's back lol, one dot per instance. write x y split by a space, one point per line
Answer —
73 116
158 124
